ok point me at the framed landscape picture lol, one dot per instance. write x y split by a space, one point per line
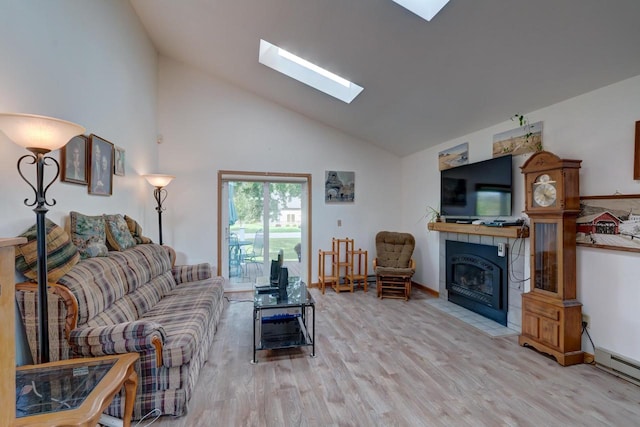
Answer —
525 139
73 158
455 156
118 165
100 166
609 222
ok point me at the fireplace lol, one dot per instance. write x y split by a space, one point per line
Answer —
477 279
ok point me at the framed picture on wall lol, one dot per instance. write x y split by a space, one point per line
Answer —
118 165
73 157
100 166
609 222
525 139
455 156
339 187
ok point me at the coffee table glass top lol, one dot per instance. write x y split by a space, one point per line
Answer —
297 294
53 389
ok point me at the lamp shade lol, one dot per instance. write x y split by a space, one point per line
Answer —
159 180
44 133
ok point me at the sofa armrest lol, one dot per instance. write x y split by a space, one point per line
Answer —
137 336
191 273
63 314
70 302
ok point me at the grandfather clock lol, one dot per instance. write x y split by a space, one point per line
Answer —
551 314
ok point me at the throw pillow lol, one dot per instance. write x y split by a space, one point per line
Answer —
118 235
88 234
62 254
136 230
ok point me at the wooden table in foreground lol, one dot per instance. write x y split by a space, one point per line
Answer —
74 392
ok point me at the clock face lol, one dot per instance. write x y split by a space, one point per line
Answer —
544 191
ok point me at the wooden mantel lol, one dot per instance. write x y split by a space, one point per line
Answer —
512 232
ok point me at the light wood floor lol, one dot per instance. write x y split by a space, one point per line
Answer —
396 363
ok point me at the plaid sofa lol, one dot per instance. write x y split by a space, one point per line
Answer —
134 301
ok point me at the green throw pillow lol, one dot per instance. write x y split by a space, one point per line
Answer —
88 234
118 235
62 254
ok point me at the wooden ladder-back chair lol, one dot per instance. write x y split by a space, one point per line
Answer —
394 265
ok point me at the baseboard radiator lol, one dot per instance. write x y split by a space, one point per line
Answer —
621 366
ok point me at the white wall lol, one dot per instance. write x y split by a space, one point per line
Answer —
208 125
597 128
89 62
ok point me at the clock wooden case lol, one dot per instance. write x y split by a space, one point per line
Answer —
551 314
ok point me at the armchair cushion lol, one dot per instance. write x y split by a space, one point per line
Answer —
390 271
394 249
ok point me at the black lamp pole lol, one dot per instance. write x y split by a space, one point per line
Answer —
40 160
159 181
160 194
39 135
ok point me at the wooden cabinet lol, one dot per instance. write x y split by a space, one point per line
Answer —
7 331
551 314
549 325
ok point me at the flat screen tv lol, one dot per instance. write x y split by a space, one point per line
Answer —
481 189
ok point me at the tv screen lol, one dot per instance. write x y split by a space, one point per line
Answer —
481 189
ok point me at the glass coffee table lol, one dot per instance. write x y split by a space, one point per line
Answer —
74 392
283 322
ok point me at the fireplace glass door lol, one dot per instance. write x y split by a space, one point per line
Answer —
477 279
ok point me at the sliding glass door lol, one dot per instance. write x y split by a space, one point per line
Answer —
262 217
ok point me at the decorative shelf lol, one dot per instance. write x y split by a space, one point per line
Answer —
512 232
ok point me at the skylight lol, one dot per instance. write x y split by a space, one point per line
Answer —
306 72
426 9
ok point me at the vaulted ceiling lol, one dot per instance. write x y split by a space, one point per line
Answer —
474 65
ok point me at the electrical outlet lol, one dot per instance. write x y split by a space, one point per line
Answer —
501 249
339 223
586 319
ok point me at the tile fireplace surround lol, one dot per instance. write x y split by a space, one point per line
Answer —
516 256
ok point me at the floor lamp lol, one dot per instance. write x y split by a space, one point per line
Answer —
160 194
39 135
